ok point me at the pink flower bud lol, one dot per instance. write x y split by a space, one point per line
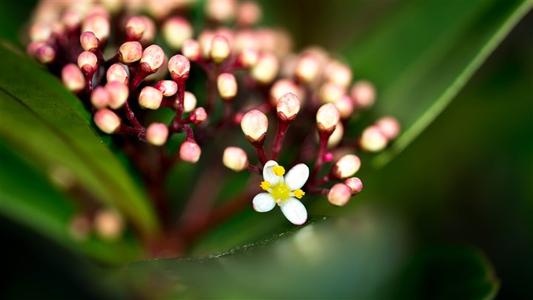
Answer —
227 86
220 49
118 93
190 151
100 97
191 49
157 134
373 140
338 73
117 72
235 158
198 115
108 224
248 13
73 78
254 125
189 102
176 31
152 59
266 69
248 57
331 93
389 126
345 106
130 52
150 98
282 87
205 39
307 68
363 94
71 18
40 32
87 62
45 54
221 10
89 41
346 166
135 28
355 184
327 117
339 194
179 67
288 107
97 24
168 87
106 120
336 137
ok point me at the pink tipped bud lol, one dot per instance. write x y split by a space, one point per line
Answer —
288 107
198 115
266 69
339 194
248 13
89 41
106 120
331 93
282 87
346 166
248 57
157 134
87 62
355 184
189 102
345 106
97 24
363 94
327 117
150 98
40 32
235 158
191 50
389 126
307 68
108 224
168 87
190 151
336 137
135 28
221 10
220 49
71 18
152 59
73 78
176 31
179 67
205 39
373 140
227 86
45 54
130 52
100 97
117 72
118 93
254 125
338 73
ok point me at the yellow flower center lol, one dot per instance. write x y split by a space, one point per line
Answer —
280 192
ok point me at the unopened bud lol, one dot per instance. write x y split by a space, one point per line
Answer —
73 78
168 87
175 31
108 224
117 72
106 120
389 126
45 54
331 93
71 18
220 49
288 107
221 10
345 106
89 41
363 94
307 68
150 98
355 184
205 39
87 62
191 49
248 57
97 24
266 69
282 87
254 125
190 151
336 137
346 166
152 59
373 140
227 86
338 73
130 52
339 194
327 117
157 134
100 97
118 93
235 158
198 115
40 32
135 28
248 13
179 67
189 102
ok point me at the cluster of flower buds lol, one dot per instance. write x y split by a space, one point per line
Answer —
104 52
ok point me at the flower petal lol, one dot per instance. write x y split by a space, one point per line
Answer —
263 202
297 176
294 211
268 173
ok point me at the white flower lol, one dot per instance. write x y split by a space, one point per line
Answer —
284 191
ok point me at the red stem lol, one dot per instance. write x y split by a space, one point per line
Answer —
283 126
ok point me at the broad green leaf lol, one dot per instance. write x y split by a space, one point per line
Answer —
424 52
49 127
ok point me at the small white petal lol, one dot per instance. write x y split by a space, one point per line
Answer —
263 202
297 176
268 173
294 211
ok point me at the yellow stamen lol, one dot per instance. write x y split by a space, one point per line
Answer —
265 185
278 170
280 192
299 193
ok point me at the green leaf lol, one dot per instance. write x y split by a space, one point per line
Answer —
425 51
51 129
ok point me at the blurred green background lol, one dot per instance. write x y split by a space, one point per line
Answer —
466 181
